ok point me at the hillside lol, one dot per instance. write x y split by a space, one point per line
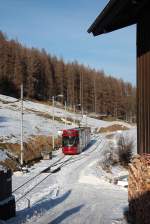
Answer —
43 199
45 76
38 126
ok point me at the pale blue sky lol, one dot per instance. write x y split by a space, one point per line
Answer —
60 26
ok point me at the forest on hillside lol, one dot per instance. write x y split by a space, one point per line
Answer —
44 76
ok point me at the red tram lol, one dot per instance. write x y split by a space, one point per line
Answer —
75 140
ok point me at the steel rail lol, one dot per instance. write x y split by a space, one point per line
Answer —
51 172
62 164
42 171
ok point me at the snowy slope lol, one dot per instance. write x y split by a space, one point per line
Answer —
36 121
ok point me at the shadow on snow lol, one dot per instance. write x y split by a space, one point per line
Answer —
3 119
38 208
66 214
92 142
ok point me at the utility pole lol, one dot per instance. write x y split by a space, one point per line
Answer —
21 156
74 110
53 137
53 111
95 97
81 92
115 110
86 120
65 114
75 117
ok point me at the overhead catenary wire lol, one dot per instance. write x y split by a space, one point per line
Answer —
21 149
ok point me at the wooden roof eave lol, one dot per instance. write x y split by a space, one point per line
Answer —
116 15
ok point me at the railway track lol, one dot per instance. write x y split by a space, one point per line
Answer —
38 174
30 184
86 153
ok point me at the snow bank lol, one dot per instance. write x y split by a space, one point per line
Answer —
3 155
2 168
7 99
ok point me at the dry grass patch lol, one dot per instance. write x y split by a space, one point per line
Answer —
110 136
11 164
112 128
49 116
32 150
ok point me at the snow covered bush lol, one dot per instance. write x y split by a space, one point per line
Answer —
119 152
125 150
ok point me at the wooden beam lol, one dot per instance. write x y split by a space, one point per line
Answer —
143 84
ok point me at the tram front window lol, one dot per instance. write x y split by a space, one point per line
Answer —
70 141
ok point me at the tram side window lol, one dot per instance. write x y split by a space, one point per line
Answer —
70 141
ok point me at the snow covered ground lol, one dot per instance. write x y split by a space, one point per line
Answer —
79 192
3 155
35 121
75 194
